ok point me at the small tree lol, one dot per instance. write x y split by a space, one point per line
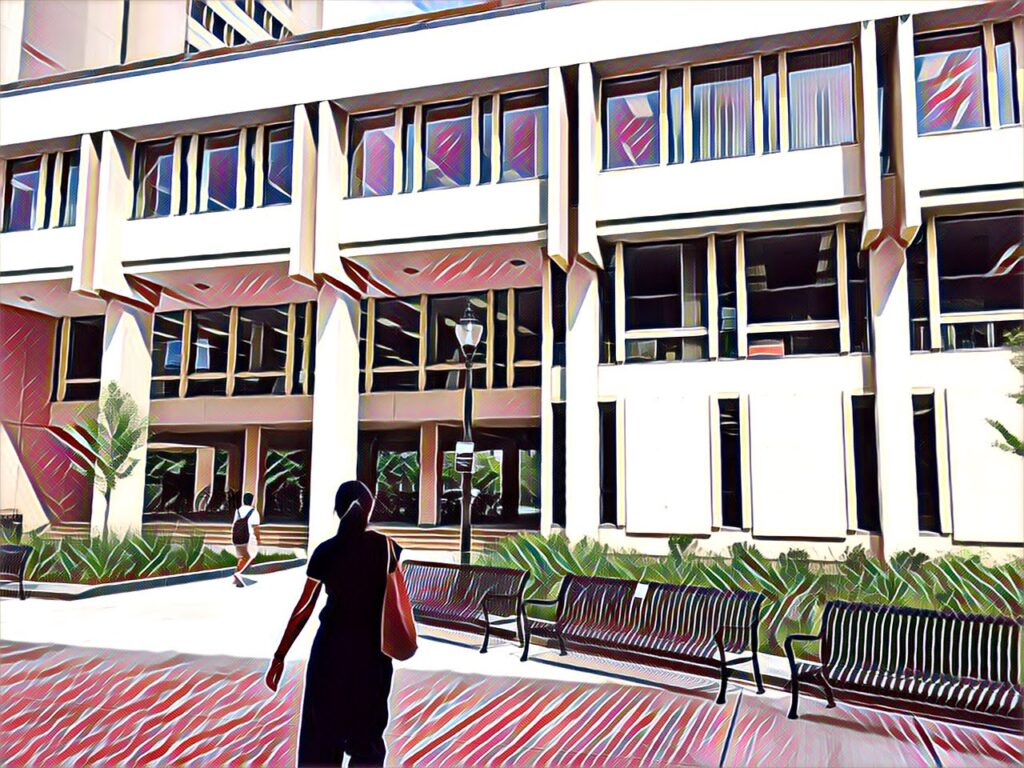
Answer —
1010 442
108 445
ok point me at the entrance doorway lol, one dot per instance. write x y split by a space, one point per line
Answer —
389 464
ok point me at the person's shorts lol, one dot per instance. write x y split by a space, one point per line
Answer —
247 550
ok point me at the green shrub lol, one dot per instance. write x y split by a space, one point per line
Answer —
105 559
795 588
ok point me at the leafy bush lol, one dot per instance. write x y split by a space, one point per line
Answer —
105 559
795 588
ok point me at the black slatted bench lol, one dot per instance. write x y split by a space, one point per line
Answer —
13 558
941 663
670 625
464 597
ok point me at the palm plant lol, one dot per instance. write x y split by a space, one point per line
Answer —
106 448
1010 442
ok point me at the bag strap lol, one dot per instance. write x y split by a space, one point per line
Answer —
251 510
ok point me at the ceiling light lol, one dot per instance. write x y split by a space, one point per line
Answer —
26 298
201 286
410 270
517 263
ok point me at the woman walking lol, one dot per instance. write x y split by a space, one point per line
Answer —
348 678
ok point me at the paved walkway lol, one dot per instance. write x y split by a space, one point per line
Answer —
174 676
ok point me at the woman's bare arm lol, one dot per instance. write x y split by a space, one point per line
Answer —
300 615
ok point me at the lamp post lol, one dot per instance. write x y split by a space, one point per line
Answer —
468 332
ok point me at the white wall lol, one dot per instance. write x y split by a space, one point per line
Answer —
971 158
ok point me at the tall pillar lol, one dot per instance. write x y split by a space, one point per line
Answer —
582 430
254 464
547 426
335 407
206 464
126 362
894 411
234 478
428 474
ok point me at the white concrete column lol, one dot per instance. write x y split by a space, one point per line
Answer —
905 131
871 143
304 189
428 474
582 426
894 412
335 407
589 163
206 464
126 362
254 464
558 169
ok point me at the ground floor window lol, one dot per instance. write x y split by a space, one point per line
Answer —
608 413
926 459
731 465
865 453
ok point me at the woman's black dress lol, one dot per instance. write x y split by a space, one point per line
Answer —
348 679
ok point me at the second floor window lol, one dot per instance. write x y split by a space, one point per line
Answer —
218 178
277 178
79 361
1006 75
949 69
723 111
154 171
372 155
524 123
22 193
821 97
447 145
69 190
631 109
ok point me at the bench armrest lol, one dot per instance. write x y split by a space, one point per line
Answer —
722 630
511 597
790 639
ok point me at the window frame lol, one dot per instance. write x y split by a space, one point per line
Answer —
499 119
37 218
267 139
202 169
854 94
986 57
471 103
63 360
659 115
139 209
397 156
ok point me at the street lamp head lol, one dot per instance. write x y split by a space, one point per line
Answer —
468 331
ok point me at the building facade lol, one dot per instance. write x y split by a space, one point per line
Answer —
746 269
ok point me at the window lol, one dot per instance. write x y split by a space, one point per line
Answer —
858 291
502 377
527 337
69 190
305 349
792 296
409 148
607 413
725 269
208 353
486 138
372 155
524 129
558 464
1006 75
396 344
447 145
723 111
980 265
277 176
731 464
770 102
631 108
865 459
262 351
85 355
948 68
22 191
153 173
218 186
926 460
917 288
606 295
820 98
445 364
666 292
886 98
168 334
675 117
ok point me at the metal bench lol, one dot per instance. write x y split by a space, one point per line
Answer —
464 597
670 625
13 558
945 664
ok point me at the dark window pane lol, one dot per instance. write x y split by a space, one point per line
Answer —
396 382
456 378
219 178
824 342
85 350
528 324
527 376
865 453
653 284
648 350
732 483
858 291
409 148
949 70
209 353
263 385
977 335
447 145
69 190
725 268
917 287
371 155
167 336
22 190
163 388
524 129
980 263
631 111
486 138
154 172
558 469
298 370
396 333
675 117
262 339
1006 75
792 277
821 98
207 388
502 375
926 458
770 102
83 391
723 111
445 312
606 291
277 182
609 463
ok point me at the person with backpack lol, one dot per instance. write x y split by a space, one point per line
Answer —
245 535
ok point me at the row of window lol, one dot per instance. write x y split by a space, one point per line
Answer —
214 172
409 344
215 352
215 23
41 192
387 149
964 281
730 462
682 300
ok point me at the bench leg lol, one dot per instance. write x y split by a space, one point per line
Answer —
487 633
561 643
526 641
721 690
757 674
793 714
21 589
829 695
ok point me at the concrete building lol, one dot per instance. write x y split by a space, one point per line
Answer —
745 268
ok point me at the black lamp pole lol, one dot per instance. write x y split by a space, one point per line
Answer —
468 332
